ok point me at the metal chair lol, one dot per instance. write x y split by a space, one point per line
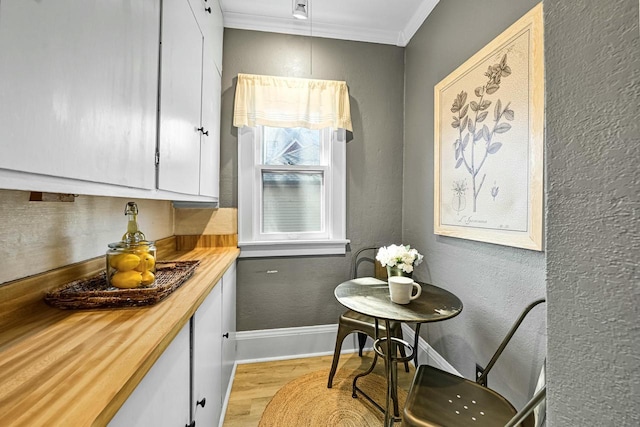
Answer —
350 321
438 398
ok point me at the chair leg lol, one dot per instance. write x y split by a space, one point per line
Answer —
362 339
342 333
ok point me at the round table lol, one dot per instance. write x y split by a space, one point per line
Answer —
370 296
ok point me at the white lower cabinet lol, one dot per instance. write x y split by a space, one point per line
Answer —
162 397
188 383
207 357
229 342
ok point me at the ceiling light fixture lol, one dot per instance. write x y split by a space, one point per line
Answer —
300 9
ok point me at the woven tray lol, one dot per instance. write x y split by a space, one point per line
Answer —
94 292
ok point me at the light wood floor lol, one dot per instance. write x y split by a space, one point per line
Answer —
255 384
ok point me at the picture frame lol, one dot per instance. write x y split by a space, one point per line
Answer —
489 141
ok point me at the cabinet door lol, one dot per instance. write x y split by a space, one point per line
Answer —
162 397
217 33
210 143
228 325
78 89
207 357
180 99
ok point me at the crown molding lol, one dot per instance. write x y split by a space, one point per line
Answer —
243 21
308 28
416 21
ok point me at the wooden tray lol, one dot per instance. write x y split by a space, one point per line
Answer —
94 292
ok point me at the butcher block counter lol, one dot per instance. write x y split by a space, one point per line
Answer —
77 367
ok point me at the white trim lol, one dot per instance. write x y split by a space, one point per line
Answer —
225 402
422 12
332 241
310 341
426 354
292 248
302 28
287 25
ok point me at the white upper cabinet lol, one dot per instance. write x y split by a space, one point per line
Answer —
93 93
210 140
209 15
78 89
189 142
180 99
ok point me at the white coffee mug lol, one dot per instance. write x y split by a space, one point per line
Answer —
401 288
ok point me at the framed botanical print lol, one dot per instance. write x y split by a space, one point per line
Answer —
489 141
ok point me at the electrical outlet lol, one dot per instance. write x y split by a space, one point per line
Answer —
479 372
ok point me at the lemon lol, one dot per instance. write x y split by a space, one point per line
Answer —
147 262
126 279
127 262
148 278
113 260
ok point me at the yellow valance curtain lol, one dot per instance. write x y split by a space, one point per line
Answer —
291 102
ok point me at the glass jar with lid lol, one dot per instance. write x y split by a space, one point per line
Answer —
131 263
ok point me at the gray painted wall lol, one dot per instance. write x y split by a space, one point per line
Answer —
591 255
592 57
494 282
301 293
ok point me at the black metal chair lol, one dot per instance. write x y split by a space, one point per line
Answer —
438 398
350 321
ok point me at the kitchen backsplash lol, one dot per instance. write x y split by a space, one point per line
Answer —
40 236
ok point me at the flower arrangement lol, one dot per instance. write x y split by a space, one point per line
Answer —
399 256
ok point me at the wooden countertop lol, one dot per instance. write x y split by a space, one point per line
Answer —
77 367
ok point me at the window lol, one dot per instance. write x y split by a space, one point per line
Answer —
291 191
291 165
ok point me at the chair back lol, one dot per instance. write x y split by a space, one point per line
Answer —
482 379
367 256
535 409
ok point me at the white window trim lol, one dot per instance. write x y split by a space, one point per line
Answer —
251 242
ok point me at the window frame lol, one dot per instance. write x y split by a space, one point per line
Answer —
251 240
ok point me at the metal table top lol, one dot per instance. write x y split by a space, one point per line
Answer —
370 297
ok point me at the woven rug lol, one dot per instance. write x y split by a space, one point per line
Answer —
307 402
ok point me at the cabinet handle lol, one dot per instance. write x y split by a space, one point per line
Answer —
202 402
204 132
226 335
207 9
191 424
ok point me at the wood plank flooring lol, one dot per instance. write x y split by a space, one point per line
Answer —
255 384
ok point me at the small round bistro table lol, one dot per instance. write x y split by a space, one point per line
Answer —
370 296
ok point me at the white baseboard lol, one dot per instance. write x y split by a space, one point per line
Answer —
227 394
426 354
309 341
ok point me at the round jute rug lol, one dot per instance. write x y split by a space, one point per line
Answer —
307 402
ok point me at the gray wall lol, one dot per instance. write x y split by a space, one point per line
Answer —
301 293
592 57
494 282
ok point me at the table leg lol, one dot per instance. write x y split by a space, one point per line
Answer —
363 374
392 370
415 346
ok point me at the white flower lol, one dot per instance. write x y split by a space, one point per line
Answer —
400 256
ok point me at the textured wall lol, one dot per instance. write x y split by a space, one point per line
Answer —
40 236
494 282
301 292
593 237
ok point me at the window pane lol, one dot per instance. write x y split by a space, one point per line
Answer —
290 146
291 202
